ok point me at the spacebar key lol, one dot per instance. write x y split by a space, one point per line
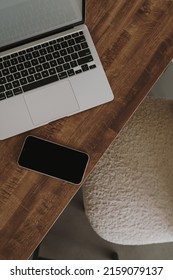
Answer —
40 83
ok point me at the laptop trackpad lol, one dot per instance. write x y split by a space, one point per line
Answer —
51 102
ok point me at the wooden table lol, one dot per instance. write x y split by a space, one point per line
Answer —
134 39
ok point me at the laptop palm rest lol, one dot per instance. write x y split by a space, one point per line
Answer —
51 102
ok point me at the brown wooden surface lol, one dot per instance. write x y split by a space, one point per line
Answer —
134 39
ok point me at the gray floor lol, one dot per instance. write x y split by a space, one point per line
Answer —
72 238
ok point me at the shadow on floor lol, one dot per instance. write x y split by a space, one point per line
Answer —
72 238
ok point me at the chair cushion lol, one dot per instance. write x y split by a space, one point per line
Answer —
128 197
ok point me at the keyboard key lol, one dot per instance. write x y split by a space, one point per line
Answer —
80 39
28 56
23 81
64 45
39 68
67 37
73 64
52 71
85 67
74 55
9 93
45 45
5 72
20 67
7 63
27 64
37 76
85 60
31 70
60 60
53 42
67 58
13 69
63 52
29 50
8 86
84 53
22 52
17 75
21 58
62 75
37 47
66 66
2 81
2 89
14 61
6 57
70 50
16 84
2 96
35 54
57 47
34 62
40 83
49 57
45 74
70 72
53 63
84 45
10 78
92 66
71 42
77 48
60 39
76 34
24 73
14 55
30 79
78 71
43 51
50 49
56 54
17 91
59 69
46 65
42 59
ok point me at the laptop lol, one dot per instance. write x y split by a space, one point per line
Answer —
49 67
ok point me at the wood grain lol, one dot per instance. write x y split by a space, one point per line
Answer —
134 39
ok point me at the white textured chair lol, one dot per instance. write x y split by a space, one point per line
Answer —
128 198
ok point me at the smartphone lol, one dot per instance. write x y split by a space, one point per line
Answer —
52 159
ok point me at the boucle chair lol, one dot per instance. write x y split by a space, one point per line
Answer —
128 198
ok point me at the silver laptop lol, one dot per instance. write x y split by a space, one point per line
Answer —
49 67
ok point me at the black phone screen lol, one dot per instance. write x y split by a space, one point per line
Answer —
53 159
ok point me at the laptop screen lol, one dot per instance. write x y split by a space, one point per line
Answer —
24 19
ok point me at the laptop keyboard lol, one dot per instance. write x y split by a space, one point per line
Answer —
43 64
